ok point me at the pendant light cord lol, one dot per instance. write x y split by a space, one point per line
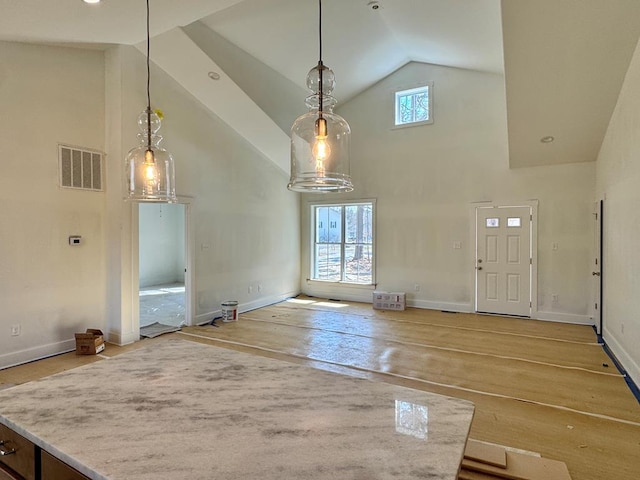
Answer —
320 65
148 85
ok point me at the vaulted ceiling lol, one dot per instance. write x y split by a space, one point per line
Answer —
563 61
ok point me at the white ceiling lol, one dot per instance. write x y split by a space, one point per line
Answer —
563 60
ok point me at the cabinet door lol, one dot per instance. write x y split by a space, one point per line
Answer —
5 475
19 453
54 469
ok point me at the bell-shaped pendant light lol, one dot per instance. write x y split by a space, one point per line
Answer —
149 167
320 139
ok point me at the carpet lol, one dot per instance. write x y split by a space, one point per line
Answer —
157 329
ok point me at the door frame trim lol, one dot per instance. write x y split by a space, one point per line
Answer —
189 244
533 204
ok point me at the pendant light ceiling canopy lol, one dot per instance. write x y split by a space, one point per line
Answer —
320 139
149 167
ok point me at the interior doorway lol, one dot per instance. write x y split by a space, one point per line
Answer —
597 272
162 253
504 259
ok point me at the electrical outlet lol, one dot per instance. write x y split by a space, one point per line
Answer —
259 287
554 297
416 287
15 330
250 289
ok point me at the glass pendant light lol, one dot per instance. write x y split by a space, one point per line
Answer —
320 139
149 167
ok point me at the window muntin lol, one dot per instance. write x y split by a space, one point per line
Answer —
413 106
343 243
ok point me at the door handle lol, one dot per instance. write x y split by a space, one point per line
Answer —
478 268
597 274
6 450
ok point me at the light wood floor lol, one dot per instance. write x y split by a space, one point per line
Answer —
538 386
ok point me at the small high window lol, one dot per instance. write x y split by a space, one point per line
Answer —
413 106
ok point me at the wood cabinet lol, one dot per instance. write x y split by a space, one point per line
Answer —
22 460
54 469
18 454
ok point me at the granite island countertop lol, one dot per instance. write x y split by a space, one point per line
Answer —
184 410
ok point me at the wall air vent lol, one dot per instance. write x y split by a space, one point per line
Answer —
80 168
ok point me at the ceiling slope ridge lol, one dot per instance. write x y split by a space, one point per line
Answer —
280 98
183 60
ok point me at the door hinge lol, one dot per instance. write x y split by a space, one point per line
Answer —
531 261
596 305
530 305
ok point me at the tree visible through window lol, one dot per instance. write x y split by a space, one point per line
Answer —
343 243
413 106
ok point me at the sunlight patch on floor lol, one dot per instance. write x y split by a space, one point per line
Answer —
303 302
313 302
332 304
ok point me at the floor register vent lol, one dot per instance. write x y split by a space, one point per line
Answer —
80 168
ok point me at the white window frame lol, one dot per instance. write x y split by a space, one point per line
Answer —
312 243
408 91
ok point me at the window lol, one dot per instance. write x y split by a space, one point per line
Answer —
413 106
343 243
514 222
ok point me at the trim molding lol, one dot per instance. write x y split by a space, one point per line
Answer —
442 306
205 318
36 353
630 366
563 318
121 339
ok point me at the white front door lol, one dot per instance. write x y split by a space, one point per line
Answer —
503 260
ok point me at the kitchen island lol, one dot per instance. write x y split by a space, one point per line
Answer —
183 410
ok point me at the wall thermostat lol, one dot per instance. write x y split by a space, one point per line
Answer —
75 240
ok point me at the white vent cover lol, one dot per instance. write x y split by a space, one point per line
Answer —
80 168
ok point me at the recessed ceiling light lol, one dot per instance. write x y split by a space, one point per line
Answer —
214 75
91 1
547 139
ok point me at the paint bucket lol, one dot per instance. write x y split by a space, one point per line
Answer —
229 311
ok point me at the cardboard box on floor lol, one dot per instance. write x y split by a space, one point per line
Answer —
89 343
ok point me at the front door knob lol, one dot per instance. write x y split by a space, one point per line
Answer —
597 274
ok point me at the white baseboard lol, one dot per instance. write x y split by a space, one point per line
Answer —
442 306
118 338
628 363
205 318
36 353
563 318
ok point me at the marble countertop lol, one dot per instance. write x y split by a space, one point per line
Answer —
184 410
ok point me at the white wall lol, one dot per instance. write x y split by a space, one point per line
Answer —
245 222
48 95
618 183
425 180
162 244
